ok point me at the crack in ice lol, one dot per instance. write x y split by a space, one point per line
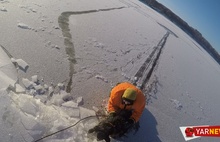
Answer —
63 21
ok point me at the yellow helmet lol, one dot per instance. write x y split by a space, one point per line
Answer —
130 94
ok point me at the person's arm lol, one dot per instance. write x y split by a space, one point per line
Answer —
139 108
137 114
111 104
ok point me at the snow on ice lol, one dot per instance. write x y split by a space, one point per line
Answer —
101 78
176 103
28 9
110 46
3 9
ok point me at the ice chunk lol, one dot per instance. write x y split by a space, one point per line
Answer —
5 80
19 89
23 26
95 108
30 123
70 104
86 112
27 83
39 89
22 65
35 79
27 106
57 99
67 97
33 10
56 27
13 60
99 45
43 98
50 91
61 86
55 46
32 92
72 112
3 9
46 87
79 101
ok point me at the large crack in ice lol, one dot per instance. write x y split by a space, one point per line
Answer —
63 21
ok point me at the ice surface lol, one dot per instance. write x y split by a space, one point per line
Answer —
5 80
108 47
8 73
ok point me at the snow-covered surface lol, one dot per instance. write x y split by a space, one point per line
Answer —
59 60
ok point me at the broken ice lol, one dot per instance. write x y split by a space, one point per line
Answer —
23 26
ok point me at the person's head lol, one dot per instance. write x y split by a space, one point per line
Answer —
129 96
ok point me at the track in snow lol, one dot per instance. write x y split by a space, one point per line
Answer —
145 71
143 74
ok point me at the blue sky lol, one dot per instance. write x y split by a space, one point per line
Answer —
203 15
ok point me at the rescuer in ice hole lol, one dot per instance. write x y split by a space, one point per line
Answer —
125 107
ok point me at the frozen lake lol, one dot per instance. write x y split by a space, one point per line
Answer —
75 52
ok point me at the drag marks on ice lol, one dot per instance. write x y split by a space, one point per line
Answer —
146 69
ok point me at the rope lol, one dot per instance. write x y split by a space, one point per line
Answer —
67 127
